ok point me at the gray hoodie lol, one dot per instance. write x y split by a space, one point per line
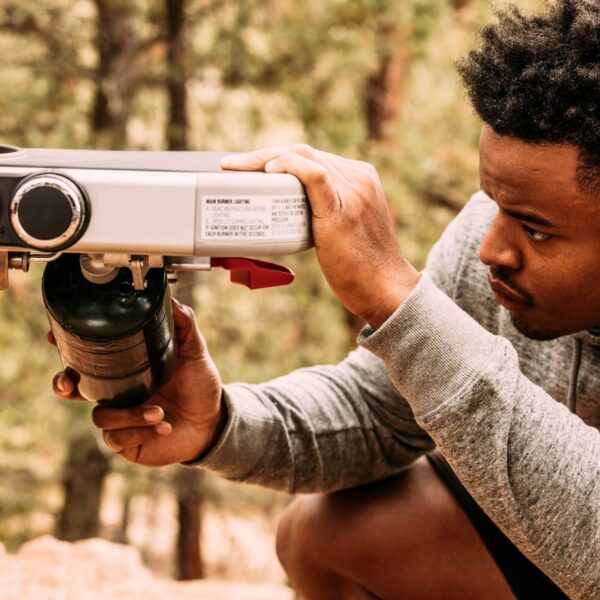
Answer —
447 369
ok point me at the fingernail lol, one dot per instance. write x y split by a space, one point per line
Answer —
234 160
163 428
111 444
153 414
177 303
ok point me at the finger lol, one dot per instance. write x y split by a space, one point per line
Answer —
343 171
183 316
64 387
108 418
51 339
255 160
121 439
345 174
190 342
362 166
317 180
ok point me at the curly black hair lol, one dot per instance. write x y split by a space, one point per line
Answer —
537 78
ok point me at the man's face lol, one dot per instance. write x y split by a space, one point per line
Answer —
543 247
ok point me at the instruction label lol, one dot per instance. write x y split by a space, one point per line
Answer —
254 218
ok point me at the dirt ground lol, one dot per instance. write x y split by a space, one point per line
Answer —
95 569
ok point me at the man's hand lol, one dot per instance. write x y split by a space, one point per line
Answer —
181 421
352 229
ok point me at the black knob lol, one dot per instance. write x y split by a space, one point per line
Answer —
48 211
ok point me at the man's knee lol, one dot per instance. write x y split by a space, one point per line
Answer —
307 548
284 543
297 531
405 536
327 532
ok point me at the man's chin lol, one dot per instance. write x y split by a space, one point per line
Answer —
533 332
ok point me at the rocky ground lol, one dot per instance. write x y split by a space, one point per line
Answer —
47 569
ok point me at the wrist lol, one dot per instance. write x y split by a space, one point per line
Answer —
210 435
219 426
393 296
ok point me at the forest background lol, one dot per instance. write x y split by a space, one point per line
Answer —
371 79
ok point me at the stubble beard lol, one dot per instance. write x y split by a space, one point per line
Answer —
529 331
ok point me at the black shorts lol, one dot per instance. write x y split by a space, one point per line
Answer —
524 578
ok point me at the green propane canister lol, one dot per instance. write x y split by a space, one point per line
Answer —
117 343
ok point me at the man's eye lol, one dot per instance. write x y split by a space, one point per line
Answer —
535 235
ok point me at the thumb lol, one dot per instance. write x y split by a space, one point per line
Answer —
64 387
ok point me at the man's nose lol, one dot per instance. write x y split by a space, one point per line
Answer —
498 248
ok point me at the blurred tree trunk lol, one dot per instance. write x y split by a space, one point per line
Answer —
386 87
190 499
460 4
121 534
177 76
84 474
187 482
117 46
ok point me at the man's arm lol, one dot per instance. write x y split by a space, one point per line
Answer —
318 429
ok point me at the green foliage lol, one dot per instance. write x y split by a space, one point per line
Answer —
261 72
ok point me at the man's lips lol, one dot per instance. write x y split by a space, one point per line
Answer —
507 296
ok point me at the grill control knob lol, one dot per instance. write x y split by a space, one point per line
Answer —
48 211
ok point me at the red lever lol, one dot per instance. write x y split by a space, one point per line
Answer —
253 273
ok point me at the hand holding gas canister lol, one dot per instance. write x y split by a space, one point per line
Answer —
352 229
177 424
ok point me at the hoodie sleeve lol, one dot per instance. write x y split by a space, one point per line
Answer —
532 465
318 429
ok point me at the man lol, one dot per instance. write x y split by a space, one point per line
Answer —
494 361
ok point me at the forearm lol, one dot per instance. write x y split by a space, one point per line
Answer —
318 429
533 466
